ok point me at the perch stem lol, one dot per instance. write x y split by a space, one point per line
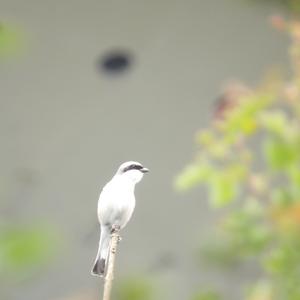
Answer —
114 239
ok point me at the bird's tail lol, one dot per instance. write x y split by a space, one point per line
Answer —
100 264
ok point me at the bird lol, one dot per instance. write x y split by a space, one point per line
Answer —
115 207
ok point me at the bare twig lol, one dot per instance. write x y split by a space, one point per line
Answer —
114 239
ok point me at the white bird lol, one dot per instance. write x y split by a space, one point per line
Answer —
115 207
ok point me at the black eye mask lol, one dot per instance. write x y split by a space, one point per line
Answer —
133 167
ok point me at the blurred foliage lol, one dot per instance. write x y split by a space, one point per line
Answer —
261 291
23 249
292 5
249 161
134 289
209 295
10 40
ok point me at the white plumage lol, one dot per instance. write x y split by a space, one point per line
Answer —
115 207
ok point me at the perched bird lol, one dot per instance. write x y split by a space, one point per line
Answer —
115 207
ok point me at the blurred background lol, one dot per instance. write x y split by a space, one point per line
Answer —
87 85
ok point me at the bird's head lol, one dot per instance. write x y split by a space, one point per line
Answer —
132 170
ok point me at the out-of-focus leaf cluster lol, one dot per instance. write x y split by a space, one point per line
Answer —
11 41
134 289
23 249
206 295
249 160
292 5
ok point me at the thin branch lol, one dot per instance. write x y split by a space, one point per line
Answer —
114 239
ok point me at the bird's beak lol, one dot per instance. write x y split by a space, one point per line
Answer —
145 170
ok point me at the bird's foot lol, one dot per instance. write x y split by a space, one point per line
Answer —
115 228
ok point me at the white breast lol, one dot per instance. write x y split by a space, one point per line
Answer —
116 202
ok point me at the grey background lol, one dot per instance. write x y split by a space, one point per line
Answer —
65 128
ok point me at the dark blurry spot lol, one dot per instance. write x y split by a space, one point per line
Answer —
26 176
230 97
164 261
115 62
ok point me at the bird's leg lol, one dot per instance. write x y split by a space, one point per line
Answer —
115 229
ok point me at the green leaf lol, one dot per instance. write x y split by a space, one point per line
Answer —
243 117
274 121
134 289
222 189
10 40
193 175
279 154
24 248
